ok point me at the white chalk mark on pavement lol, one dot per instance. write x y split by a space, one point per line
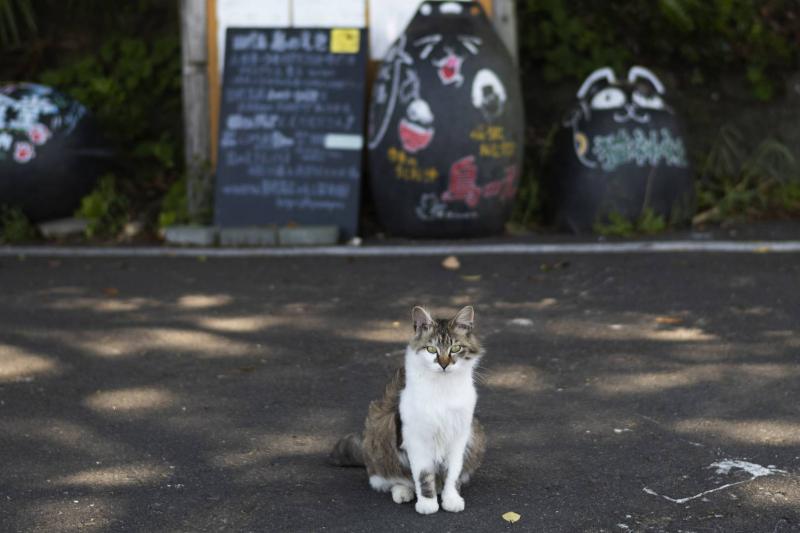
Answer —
724 468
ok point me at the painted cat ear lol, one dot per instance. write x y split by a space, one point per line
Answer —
464 318
637 73
420 318
601 74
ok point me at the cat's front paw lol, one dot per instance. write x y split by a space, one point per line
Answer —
426 505
452 502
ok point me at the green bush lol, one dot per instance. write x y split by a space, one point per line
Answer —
105 209
174 208
132 85
718 58
15 226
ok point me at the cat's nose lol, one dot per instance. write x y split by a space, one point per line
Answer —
443 361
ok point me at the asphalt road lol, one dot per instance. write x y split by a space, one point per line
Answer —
204 395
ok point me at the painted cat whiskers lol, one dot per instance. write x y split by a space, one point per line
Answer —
421 437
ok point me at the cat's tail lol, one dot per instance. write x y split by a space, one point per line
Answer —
348 451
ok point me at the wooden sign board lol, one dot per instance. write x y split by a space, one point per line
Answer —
291 127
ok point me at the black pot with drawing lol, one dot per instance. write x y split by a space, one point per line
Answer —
51 153
621 150
446 126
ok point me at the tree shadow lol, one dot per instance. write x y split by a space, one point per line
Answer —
186 395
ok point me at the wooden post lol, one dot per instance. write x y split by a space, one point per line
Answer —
197 143
504 16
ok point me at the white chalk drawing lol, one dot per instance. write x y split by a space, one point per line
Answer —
431 208
488 94
471 43
449 59
30 115
451 8
428 43
387 90
416 128
305 41
632 102
724 468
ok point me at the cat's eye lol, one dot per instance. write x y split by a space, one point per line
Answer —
431 349
649 102
455 348
609 98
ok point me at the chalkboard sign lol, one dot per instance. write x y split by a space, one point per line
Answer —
291 121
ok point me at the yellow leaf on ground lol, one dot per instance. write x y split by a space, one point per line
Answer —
511 516
471 277
451 263
670 320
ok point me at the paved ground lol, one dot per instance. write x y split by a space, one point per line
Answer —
190 395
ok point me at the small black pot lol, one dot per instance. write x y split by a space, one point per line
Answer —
50 151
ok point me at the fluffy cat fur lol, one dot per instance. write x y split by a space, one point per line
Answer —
421 437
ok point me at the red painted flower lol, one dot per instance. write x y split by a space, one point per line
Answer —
23 152
39 134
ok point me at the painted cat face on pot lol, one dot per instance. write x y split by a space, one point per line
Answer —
634 99
446 53
618 122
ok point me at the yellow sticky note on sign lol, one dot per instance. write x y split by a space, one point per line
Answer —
345 41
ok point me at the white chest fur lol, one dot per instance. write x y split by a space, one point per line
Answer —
437 409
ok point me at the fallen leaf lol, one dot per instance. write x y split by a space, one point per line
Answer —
451 263
111 291
669 320
471 277
511 516
762 250
547 267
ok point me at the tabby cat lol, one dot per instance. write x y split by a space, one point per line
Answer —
421 438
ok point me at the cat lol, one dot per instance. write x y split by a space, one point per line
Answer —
421 437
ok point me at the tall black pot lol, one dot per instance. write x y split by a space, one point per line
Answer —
446 127
50 151
620 151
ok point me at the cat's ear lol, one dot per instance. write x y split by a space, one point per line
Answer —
464 319
421 319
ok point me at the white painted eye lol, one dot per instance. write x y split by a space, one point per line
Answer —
609 98
419 111
648 102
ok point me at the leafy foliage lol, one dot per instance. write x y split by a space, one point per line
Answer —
174 208
739 181
133 88
617 225
718 57
122 61
15 226
104 208
16 18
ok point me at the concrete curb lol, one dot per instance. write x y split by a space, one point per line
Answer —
422 250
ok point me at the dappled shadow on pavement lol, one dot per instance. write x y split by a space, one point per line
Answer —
190 395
